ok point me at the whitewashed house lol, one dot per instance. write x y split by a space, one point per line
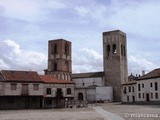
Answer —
148 86
144 89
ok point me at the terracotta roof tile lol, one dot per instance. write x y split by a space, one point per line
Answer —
23 76
52 79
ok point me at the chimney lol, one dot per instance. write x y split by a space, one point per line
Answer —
143 72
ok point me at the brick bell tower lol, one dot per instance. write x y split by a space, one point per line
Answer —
59 59
115 61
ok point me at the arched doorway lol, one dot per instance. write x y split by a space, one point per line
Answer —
80 96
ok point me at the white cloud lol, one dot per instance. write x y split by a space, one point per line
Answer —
13 57
137 64
30 10
87 60
140 18
81 10
3 65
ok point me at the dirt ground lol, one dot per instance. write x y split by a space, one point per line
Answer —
133 112
128 112
51 114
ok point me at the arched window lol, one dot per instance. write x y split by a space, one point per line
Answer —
108 50
66 49
114 49
54 49
80 96
55 67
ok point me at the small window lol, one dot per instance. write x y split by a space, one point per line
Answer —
139 95
68 91
66 49
13 86
139 87
124 90
35 86
156 95
156 86
132 89
48 91
114 49
129 89
142 85
55 67
54 49
150 84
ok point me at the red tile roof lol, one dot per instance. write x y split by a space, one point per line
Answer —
52 79
20 76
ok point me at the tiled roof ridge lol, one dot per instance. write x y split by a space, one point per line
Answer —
21 75
53 79
152 74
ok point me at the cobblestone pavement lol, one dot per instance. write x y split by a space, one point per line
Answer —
128 112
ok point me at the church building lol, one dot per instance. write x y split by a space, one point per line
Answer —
90 86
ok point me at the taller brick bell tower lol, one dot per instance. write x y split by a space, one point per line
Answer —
59 59
115 61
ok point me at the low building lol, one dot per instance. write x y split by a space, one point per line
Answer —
142 89
20 90
28 90
128 90
148 86
57 93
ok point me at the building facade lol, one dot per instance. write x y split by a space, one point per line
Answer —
20 90
89 87
146 88
57 93
28 90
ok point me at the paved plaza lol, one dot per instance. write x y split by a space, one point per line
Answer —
106 111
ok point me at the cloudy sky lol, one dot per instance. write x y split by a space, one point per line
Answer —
27 25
